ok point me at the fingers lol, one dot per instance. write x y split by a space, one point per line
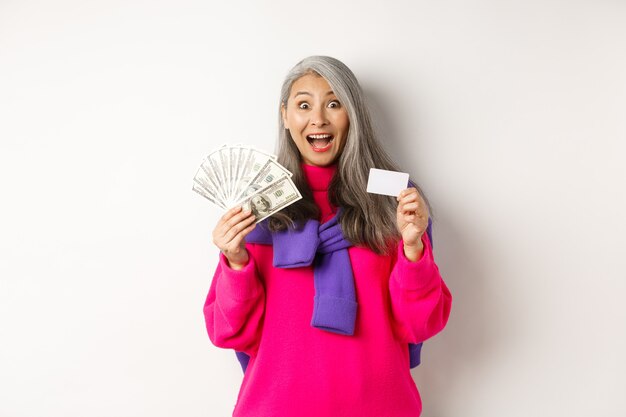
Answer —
409 207
409 195
220 227
231 217
410 201
409 218
411 191
229 214
236 219
239 226
235 251
412 215
238 239
232 223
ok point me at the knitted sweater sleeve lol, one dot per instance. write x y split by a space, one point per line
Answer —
420 299
235 305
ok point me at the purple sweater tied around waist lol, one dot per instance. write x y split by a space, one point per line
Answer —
324 246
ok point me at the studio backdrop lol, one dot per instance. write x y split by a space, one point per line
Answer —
510 116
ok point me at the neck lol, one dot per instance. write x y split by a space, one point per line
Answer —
319 179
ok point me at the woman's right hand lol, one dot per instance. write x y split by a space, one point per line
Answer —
229 234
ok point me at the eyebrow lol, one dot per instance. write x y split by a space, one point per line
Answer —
329 92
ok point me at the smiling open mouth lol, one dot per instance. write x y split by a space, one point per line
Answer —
320 142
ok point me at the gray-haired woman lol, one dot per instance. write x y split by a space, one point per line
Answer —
328 301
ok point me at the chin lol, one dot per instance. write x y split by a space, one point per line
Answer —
321 161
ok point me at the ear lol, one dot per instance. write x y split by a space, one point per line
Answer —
283 112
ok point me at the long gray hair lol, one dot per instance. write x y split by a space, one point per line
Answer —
367 219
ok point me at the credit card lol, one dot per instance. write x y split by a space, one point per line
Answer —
385 182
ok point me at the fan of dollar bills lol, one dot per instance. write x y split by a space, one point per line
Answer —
243 176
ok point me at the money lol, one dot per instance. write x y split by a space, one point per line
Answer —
271 172
272 198
206 194
240 175
252 163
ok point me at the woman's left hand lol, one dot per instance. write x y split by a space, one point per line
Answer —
412 219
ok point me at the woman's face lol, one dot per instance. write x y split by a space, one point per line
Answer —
317 121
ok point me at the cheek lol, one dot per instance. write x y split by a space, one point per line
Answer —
343 122
298 144
295 139
296 122
344 135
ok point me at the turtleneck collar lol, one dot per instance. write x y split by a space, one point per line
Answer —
318 177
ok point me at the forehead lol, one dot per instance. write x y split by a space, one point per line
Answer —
312 84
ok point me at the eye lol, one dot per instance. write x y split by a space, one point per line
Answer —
334 104
303 105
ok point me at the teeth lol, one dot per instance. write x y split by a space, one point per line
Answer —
319 136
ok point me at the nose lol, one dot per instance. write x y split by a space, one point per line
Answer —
318 117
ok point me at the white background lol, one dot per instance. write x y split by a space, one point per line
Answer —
509 114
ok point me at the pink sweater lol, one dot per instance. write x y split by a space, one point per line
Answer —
296 370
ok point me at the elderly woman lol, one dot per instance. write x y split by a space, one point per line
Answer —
327 302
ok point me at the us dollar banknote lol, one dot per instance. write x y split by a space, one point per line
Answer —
233 174
270 172
271 199
251 164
